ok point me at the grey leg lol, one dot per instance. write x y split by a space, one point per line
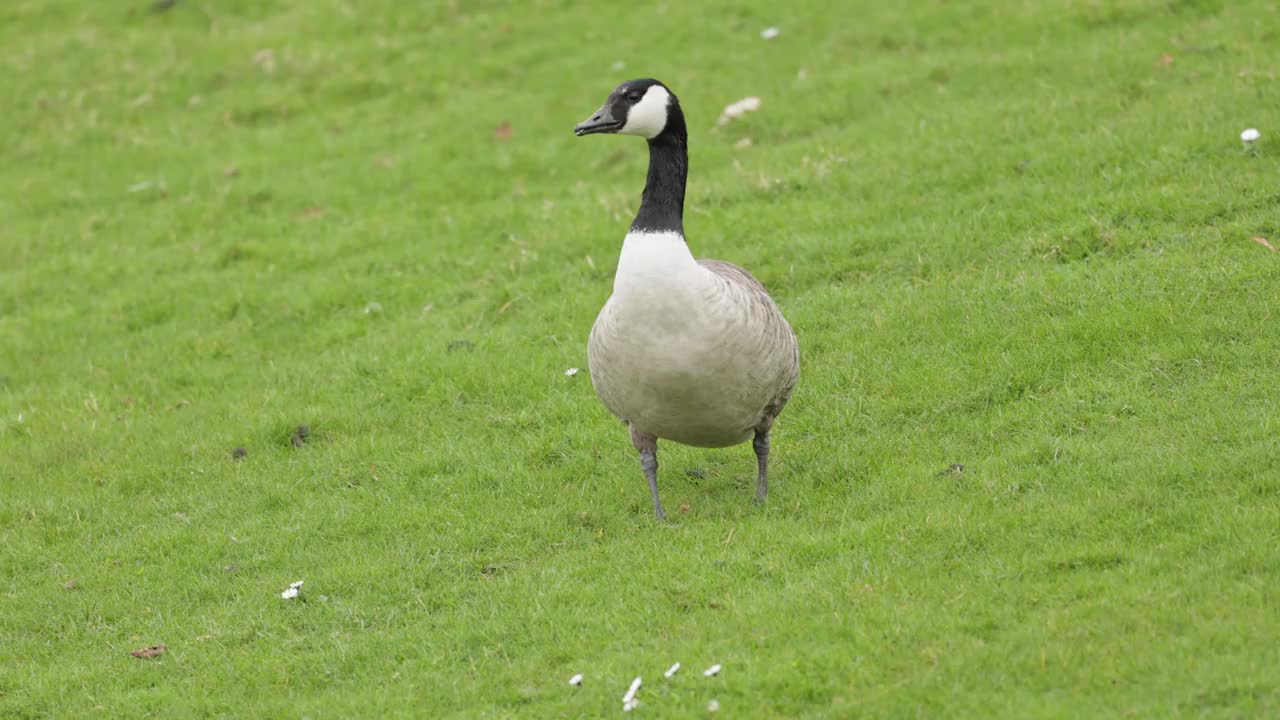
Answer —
761 445
648 446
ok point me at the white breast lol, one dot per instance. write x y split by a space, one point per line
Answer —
657 270
676 349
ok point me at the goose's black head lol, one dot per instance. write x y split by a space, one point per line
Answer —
642 107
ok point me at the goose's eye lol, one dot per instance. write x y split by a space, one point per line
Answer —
634 96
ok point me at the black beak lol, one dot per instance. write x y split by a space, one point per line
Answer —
600 122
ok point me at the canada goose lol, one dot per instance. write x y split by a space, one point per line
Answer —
688 350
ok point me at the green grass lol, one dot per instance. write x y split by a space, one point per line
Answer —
1008 236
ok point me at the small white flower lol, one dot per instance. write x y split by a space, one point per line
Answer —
712 671
576 680
672 670
372 308
1250 136
571 372
296 585
770 33
713 706
292 592
631 691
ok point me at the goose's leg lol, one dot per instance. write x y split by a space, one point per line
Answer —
648 446
761 445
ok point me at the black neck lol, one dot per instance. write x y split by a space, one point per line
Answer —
662 207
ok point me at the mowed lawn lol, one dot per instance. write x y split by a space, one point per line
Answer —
1032 468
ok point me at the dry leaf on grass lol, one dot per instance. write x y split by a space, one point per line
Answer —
736 110
503 132
1166 59
265 59
150 652
1263 242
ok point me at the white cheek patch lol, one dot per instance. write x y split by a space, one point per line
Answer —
648 117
